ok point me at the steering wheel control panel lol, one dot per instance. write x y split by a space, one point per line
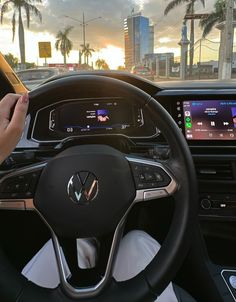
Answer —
148 177
91 116
19 186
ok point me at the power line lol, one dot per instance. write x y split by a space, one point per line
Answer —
216 50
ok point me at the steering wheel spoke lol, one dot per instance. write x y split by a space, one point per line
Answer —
18 187
86 280
152 179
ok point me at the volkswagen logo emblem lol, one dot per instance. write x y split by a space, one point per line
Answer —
82 187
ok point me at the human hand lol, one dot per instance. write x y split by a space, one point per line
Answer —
11 128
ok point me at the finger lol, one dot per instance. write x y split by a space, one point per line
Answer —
7 103
17 123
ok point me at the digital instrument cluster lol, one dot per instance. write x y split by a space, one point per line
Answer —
82 117
94 116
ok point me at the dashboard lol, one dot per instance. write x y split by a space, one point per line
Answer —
206 118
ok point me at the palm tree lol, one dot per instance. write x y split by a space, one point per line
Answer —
87 52
18 6
189 10
102 64
215 17
63 43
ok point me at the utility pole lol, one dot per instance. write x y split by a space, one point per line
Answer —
228 42
192 16
200 59
83 24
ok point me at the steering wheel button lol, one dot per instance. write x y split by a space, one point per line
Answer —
149 176
147 168
16 187
141 185
149 195
21 178
158 176
137 171
28 194
26 186
14 195
136 167
142 177
151 185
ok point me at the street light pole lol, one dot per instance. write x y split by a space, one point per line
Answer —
83 23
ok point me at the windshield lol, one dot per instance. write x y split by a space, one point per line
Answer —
160 40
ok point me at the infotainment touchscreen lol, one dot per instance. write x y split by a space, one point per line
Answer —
210 120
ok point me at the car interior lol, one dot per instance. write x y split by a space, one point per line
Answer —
155 171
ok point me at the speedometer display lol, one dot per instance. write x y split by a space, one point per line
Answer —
93 116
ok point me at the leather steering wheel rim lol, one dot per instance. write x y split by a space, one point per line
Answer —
152 281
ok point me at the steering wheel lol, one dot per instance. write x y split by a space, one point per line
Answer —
110 186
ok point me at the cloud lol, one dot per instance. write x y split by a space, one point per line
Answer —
109 30
99 33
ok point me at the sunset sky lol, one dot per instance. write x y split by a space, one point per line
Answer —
105 35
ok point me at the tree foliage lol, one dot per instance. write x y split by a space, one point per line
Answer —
18 7
189 9
63 43
215 17
87 52
11 60
189 5
121 68
102 64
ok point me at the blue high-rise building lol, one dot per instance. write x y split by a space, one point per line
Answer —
139 39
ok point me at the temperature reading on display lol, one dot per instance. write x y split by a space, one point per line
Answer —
210 120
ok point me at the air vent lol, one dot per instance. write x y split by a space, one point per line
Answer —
214 171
